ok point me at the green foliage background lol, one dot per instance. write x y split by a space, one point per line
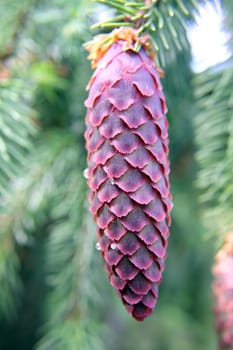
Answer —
54 293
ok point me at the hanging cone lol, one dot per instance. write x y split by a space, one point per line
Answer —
128 167
223 293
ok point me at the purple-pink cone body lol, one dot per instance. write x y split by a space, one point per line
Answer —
223 293
128 167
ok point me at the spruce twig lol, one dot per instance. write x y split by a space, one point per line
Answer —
150 17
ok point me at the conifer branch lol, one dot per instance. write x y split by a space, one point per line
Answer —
163 21
214 126
18 125
16 209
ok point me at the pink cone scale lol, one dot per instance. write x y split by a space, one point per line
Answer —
128 167
223 293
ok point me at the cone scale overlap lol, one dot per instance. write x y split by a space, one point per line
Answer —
223 293
128 167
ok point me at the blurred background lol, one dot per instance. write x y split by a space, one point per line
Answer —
54 293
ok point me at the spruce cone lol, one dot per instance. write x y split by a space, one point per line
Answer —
128 167
223 293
